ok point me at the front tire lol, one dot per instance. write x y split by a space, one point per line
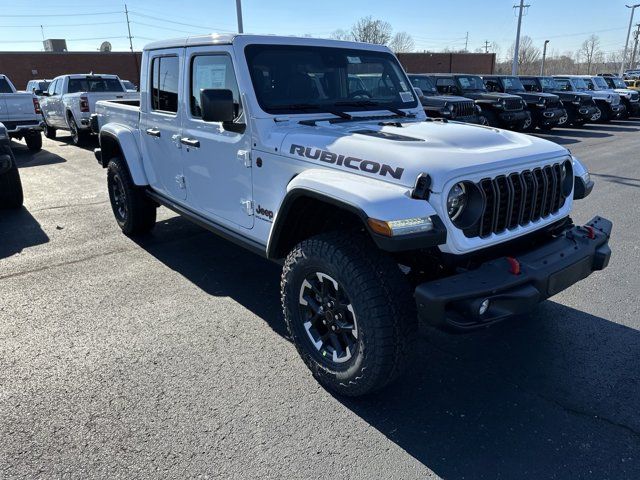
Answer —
33 141
49 132
135 212
349 311
11 195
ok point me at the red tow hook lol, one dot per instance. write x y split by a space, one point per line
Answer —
514 265
591 233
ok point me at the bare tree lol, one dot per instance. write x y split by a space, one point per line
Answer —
369 30
590 51
528 56
341 34
402 42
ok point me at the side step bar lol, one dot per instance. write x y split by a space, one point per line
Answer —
220 230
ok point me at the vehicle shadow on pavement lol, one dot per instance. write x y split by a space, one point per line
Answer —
88 145
218 267
628 181
26 158
552 395
19 230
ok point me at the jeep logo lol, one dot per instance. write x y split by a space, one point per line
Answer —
264 213
367 166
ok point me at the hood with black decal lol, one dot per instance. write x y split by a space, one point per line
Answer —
537 97
398 152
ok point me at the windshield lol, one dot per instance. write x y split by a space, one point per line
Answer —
94 84
579 84
128 84
512 84
601 83
618 82
471 83
291 79
549 83
423 83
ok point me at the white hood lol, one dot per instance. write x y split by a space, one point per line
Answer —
398 153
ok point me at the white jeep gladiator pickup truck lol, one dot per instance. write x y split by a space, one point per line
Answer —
379 215
70 100
20 114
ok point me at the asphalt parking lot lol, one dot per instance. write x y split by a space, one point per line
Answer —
167 357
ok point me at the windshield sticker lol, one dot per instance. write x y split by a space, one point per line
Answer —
406 97
354 60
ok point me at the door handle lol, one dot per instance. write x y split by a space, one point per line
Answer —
190 142
153 132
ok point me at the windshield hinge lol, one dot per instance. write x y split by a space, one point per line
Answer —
244 156
247 206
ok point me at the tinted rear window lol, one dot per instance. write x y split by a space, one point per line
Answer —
95 84
4 86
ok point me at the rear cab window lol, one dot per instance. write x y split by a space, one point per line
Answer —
165 74
5 86
94 85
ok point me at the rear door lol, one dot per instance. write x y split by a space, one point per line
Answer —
161 122
5 89
218 169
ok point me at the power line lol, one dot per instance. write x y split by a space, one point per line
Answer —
180 23
67 39
160 27
60 15
52 25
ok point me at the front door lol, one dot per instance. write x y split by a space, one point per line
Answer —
160 125
216 161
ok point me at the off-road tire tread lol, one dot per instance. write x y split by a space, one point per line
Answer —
11 195
390 309
142 210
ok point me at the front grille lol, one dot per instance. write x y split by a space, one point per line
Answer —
513 104
616 101
552 103
518 199
465 109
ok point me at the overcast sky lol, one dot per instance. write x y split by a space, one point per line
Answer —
434 24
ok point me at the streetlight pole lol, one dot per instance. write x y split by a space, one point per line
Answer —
239 13
516 50
544 56
626 44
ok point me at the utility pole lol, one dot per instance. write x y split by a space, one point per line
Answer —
466 43
626 44
486 46
635 46
516 50
544 56
135 57
239 13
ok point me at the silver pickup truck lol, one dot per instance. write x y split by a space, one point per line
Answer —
20 114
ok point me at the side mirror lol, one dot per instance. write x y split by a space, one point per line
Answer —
39 93
419 92
42 93
217 105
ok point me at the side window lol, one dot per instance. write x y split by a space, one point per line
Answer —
446 85
529 85
212 71
164 84
492 85
52 88
58 87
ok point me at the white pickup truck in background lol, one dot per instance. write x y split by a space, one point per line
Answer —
20 113
71 99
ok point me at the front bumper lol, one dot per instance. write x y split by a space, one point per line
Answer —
549 116
543 272
514 118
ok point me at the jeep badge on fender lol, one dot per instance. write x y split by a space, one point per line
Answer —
379 215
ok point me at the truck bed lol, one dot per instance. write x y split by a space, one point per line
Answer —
121 111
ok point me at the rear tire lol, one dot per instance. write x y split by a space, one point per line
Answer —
135 212
11 195
374 314
49 132
78 137
33 141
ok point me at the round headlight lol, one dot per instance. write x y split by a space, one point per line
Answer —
566 178
456 201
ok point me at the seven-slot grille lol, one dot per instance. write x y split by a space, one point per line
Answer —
518 199
553 103
513 104
465 109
